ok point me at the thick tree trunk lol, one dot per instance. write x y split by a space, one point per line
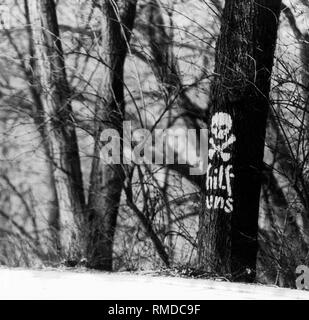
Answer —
39 120
106 181
239 107
60 127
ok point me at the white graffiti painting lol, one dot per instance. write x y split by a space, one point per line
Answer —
219 182
219 179
221 126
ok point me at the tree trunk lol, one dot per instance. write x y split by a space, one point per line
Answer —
165 66
60 126
304 55
39 121
239 105
106 181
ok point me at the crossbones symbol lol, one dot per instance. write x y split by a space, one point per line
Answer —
220 149
221 127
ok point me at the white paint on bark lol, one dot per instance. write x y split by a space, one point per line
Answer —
219 179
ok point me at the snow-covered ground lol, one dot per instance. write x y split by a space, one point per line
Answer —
42 285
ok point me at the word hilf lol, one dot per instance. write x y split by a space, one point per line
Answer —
220 180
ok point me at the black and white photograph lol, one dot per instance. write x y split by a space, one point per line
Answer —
154 150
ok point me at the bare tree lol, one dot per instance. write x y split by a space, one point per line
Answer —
39 119
107 180
239 105
59 120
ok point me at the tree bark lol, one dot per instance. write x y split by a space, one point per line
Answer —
39 121
239 106
106 181
58 116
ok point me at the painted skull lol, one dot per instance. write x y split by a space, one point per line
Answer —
221 125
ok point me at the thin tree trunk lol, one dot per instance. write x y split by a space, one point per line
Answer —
287 162
281 236
60 127
239 105
305 80
106 181
164 64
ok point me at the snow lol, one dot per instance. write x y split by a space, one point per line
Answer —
61 285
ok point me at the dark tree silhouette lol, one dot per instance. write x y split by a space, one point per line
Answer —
239 106
106 181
